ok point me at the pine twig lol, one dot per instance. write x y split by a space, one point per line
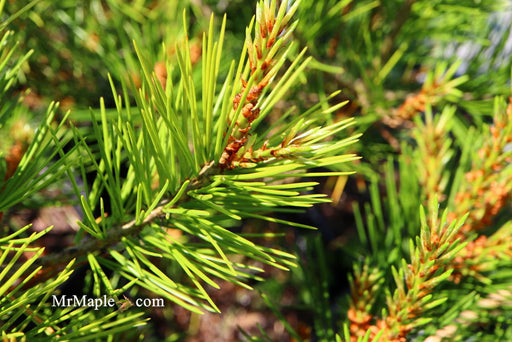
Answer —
487 187
263 54
114 235
364 286
438 86
430 259
483 255
433 152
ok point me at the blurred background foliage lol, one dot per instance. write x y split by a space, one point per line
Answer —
406 66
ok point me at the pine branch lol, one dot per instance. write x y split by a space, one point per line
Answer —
433 152
132 228
483 255
364 288
270 34
487 187
430 256
438 86
178 178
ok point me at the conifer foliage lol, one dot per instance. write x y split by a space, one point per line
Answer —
178 126
187 161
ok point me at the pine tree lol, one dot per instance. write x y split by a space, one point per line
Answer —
178 126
